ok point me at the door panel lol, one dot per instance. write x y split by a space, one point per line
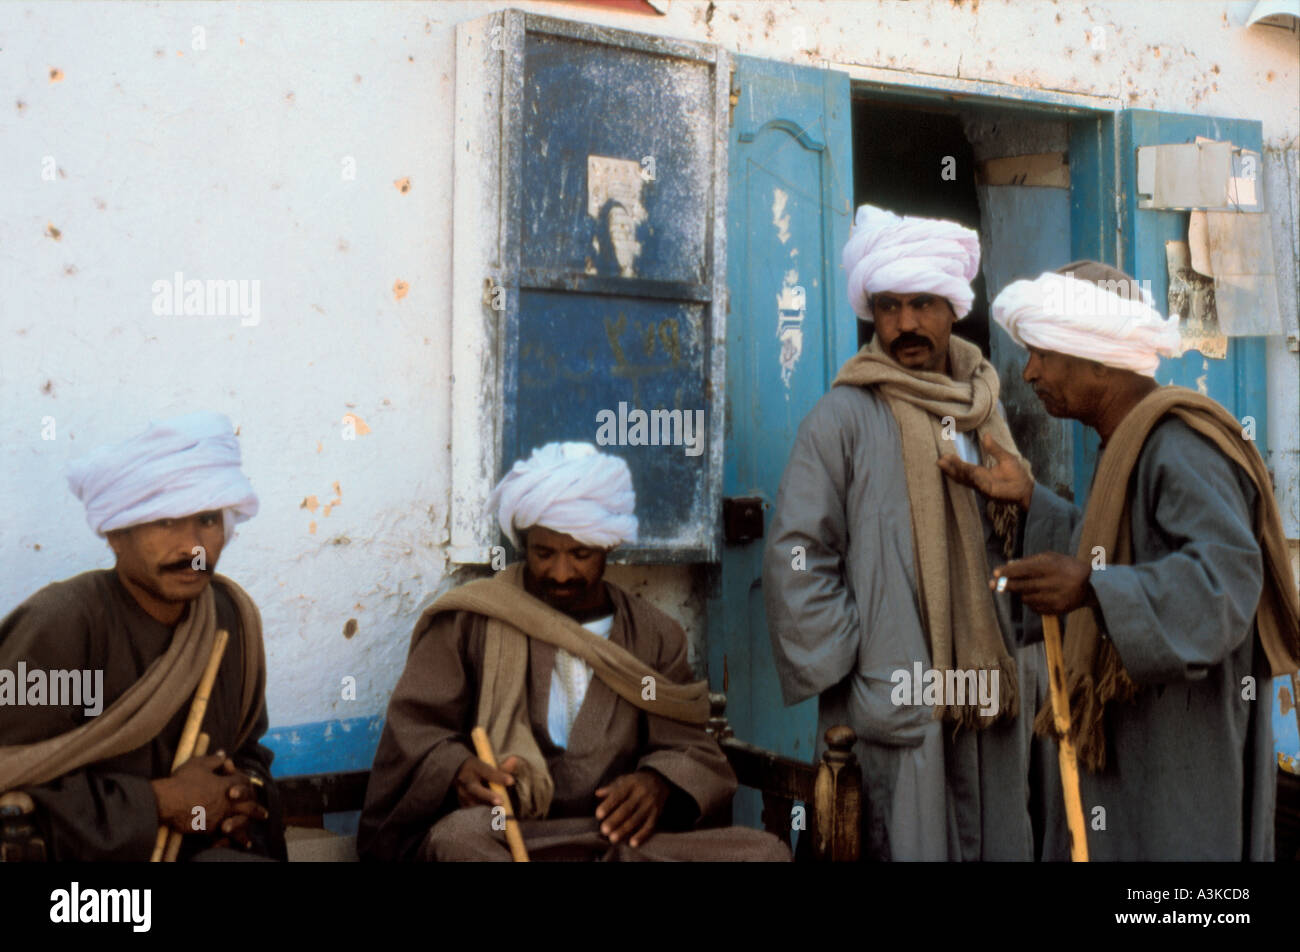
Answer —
789 328
1238 381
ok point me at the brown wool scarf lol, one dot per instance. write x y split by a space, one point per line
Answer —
147 707
947 536
514 616
1094 674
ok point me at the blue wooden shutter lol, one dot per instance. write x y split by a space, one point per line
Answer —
1237 381
788 331
613 177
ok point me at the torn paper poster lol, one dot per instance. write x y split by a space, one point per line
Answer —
614 198
1191 297
1236 250
1185 175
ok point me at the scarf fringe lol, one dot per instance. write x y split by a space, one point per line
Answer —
1005 517
1089 698
968 716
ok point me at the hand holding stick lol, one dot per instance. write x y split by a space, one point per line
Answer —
483 747
190 733
173 848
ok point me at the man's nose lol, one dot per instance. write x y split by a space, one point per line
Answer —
907 319
1031 369
562 570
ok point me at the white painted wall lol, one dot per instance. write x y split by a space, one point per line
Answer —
227 162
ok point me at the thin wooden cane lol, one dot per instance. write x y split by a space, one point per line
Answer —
174 838
515 839
190 733
1061 719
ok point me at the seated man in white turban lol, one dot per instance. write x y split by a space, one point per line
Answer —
583 689
136 639
1175 581
875 567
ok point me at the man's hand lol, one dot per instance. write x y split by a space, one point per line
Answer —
474 776
1050 583
215 784
632 805
1006 480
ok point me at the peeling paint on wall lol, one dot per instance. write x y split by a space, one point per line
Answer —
779 218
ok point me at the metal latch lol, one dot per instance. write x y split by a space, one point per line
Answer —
742 519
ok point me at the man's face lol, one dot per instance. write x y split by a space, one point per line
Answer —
158 557
563 572
914 328
1061 382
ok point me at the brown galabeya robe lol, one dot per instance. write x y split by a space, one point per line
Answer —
107 810
426 740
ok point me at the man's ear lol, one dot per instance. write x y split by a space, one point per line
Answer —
116 539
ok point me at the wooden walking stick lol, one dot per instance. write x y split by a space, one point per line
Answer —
1061 719
174 839
190 733
483 747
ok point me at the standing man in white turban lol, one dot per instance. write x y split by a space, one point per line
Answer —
100 775
585 692
1174 583
875 568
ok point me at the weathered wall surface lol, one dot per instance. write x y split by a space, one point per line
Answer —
307 147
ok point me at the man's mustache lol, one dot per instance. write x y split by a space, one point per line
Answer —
908 339
552 587
184 565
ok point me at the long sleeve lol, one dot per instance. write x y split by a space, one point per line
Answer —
424 742
1174 616
97 812
683 754
812 619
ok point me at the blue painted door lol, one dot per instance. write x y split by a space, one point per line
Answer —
1238 381
789 328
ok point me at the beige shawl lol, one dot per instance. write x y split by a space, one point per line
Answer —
1094 674
948 538
514 616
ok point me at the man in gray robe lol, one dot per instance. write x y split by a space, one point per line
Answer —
850 620
598 768
1178 593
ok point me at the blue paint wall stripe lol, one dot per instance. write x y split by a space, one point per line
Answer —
324 746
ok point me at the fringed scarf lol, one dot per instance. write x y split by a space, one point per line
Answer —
947 536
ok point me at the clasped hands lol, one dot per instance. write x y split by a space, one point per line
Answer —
214 783
1050 583
630 805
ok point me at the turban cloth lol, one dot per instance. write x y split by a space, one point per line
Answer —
179 467
569 488
909 256
1062 313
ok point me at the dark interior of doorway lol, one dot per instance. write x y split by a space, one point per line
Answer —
898 163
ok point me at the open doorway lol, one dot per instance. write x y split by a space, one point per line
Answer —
1004 172
900 155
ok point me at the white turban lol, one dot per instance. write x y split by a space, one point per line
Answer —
570 488
910 256
1070 316
179 467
